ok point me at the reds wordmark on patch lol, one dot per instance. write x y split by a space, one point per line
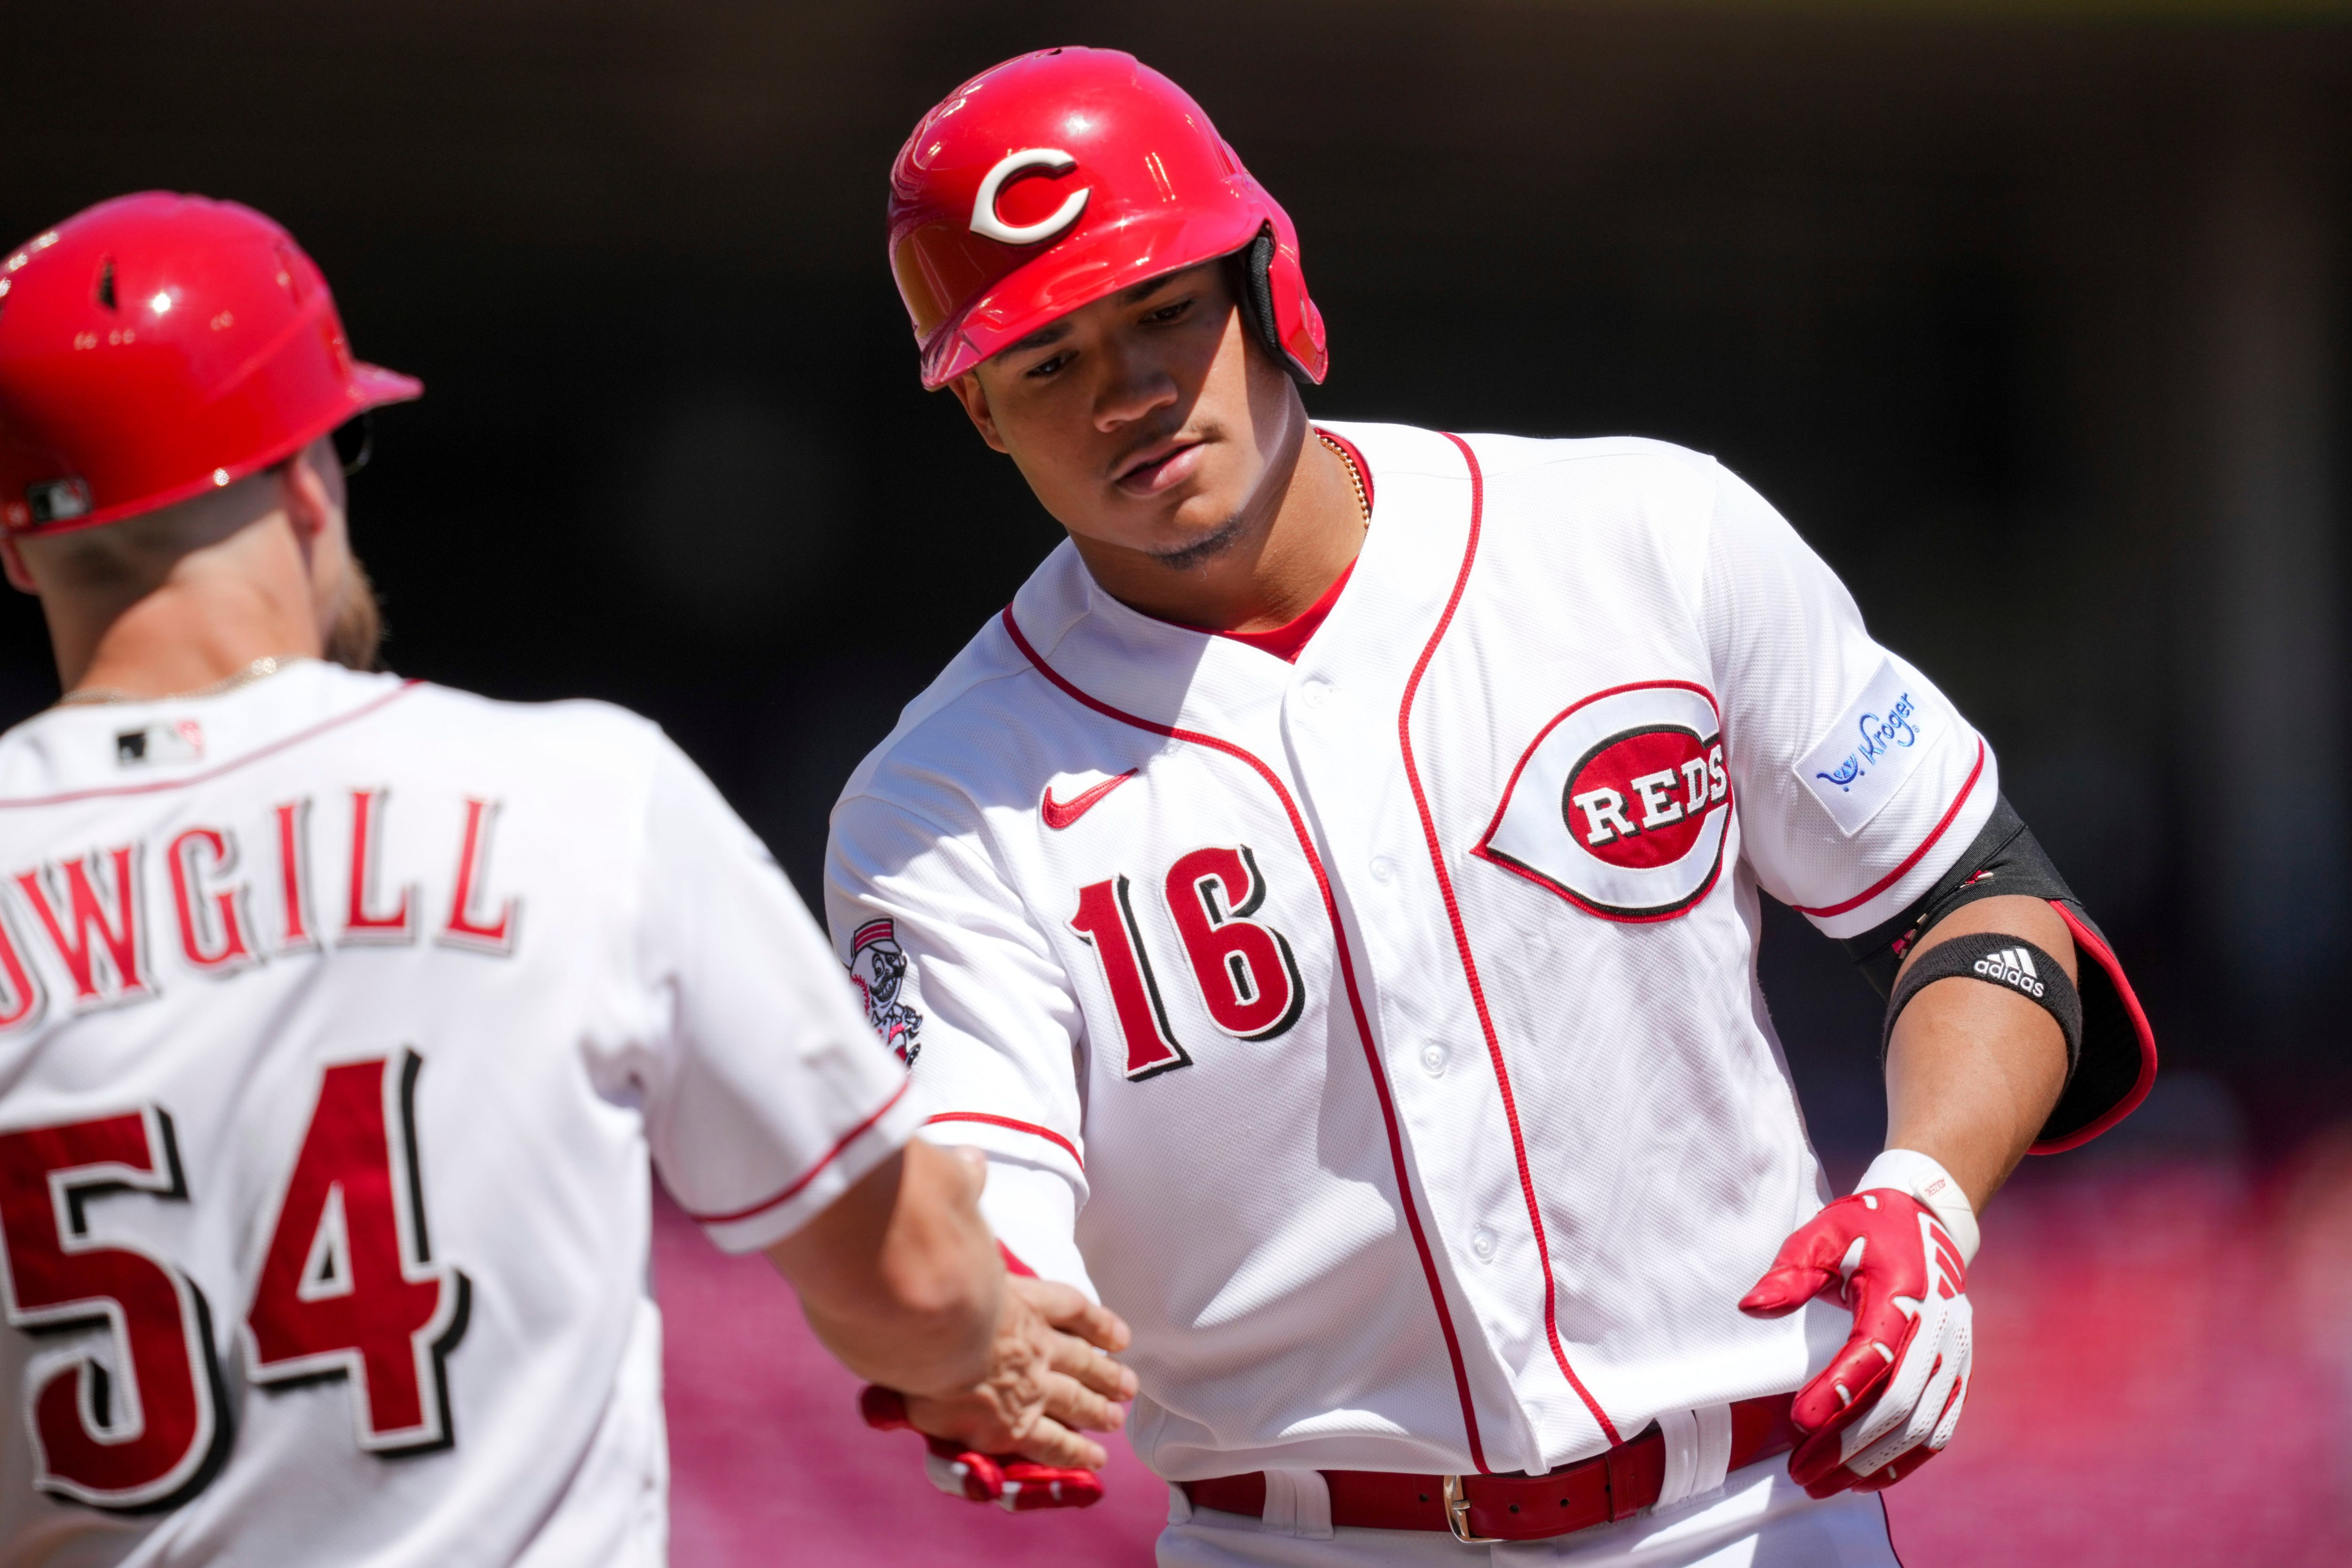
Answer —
1621 804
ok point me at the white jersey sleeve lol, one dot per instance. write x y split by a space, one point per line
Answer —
766 1097
1858 782
970 993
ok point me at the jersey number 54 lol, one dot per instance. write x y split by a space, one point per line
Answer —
347 1290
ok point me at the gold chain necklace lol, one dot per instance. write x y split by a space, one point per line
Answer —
1355 477
259 669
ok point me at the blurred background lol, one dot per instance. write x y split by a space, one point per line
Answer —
2031 316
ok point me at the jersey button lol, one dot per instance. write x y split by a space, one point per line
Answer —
1383 868
1432 1060
1313 693
1482 1242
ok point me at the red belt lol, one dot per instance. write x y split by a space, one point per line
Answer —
1617 1485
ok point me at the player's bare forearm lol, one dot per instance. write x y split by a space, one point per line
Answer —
1973 1071
900 1277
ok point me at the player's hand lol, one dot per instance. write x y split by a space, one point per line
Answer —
1014 1439
1051 1379
1890 1399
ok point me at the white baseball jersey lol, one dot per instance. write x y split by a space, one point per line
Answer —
339 1016
1380 1032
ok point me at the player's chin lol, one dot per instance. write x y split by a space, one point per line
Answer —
1198 529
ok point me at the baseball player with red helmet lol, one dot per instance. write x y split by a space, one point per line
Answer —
342 1015
1329 891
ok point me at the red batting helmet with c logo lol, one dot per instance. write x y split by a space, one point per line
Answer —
158 346
1059 178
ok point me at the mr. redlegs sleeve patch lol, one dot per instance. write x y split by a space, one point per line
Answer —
879 969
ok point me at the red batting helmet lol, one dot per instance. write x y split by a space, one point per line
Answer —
1064 177
158 346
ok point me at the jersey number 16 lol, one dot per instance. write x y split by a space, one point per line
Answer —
1247 976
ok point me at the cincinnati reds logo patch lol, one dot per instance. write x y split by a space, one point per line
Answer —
878 968
1621 804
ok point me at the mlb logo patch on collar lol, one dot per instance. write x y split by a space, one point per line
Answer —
179 740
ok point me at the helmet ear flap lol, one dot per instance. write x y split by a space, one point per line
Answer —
1255 262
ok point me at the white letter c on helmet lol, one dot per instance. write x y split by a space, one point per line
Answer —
984 220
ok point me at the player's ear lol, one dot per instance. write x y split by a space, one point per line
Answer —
974 398
18 578
310 498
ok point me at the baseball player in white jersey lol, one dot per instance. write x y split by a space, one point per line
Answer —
340 1014
1329 893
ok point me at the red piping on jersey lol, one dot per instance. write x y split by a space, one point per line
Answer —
1897 875
2087 940
403 690
1347 978
1047 1134
1462 940
852 1136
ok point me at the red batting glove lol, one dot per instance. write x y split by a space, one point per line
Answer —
1891 1398
1012 1483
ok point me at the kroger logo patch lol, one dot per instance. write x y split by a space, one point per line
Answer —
1857 767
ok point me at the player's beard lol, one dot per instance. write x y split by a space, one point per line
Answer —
356 640
1200 551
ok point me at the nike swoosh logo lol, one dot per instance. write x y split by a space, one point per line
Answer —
1059 814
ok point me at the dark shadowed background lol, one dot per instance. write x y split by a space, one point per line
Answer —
2031 317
